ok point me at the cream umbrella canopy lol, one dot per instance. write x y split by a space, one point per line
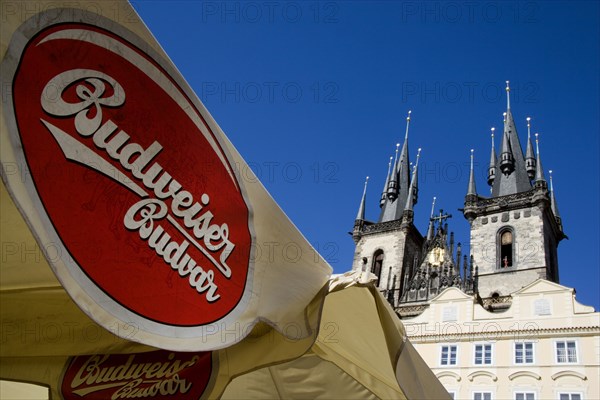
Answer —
360 351
131 267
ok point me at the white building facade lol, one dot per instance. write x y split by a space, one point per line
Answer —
545 346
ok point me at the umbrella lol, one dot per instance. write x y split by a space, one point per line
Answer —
137 261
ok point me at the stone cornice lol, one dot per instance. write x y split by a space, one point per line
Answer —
482 206
382 227
523 334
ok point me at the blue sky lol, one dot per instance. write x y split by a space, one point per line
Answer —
314 95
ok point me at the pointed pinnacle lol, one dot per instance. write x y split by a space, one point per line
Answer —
507 96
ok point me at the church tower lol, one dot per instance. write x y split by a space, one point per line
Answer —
515 232
388 247
410 269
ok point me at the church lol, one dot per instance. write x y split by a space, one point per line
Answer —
494 323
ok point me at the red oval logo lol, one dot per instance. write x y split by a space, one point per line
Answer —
153 375
149 218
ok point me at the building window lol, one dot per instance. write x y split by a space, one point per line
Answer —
566 352
483 354
524 353
377 265
448 356
570 396
525 396
482 395
505 248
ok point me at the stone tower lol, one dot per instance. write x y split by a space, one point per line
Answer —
515 232
388 247
410 269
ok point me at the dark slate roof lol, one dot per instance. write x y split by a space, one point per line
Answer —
517 181
553 199
394 207
539 170
471 190
361 209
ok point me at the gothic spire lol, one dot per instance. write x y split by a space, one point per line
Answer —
415 188
361 209
430 228
529 156
399 184
507 97
552 198
407 125
404 167
507 160
553 205
492 167
385 186
404 152
472 191
410 198
513 178
540 180
392 191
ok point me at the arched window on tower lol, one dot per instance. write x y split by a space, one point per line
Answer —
377 265
506 248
